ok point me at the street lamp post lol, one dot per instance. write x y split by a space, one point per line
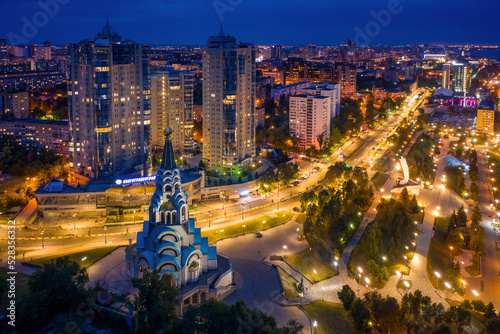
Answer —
451 248
314 276
42 238
209 217
105 236
278 204
298 233
383 260
284 249
438 275
241 211
74 221
83 260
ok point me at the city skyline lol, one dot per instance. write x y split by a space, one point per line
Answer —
167 23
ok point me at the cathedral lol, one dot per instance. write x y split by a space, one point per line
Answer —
171 243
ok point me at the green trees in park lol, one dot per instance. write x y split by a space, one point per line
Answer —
57 289
455 180
346 296
281 176
385 241
334 212
419 158
155 302
415 311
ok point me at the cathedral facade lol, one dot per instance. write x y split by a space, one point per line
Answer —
171 243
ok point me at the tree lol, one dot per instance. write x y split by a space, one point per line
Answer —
58 288
474 191
201 164
476 243
155 302
493 325
443 329
473 175
414 207
240 180
489 312
404 196
292 327
346 296
360 315
461 217
456 239
478 305
476 215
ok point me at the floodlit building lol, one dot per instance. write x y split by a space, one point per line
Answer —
172 105
109 106
309 118
486 117
228 104
171 243
330 90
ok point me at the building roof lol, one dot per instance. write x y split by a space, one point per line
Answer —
168 159
443 92
487 104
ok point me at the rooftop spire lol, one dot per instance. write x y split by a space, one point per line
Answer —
168 159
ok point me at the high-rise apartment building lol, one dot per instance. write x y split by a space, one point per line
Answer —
276 51
228 104
330 90
486 117
309 118
346 77
461 77
172 106
446 82
109 106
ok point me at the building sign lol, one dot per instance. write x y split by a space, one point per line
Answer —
136 180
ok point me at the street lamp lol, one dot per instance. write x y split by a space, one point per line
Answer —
105 238
42 238
209 217
314 277
315 324
475 293
242 211
298 233
74 221
83 260
383 260
284 249
448 286
451 248
438 275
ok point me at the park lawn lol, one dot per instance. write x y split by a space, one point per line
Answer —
301 218
21 288
246 226
309 260
288 283
93 255
474 269
379 180
330 317
126 219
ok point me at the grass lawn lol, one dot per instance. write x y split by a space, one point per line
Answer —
288 284
331 318
246 226
474 268
93 255
301 218
309 260
112 220
379 180
21 288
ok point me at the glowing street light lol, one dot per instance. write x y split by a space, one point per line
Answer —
475 293
438 275
284 249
